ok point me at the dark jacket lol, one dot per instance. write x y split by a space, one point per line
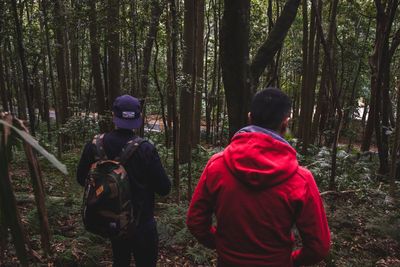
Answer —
258 192
145 171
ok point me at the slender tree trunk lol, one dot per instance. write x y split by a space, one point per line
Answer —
24 67
95 61
161 94
60 60
113 47
199 72
43 7
265 54
240 79
186 94
11 78
394 164
3 89
234 44
156 10
335 101
74 34
172 34
304 86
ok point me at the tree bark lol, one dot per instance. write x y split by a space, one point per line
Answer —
113 44
199 72
59 21
234 45
156 10
172 35
187 91
74 47
240 79
95 62
3 89
265 54
24 67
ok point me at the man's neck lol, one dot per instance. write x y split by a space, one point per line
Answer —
255 128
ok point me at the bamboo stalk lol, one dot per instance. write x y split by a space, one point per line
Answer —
7 198
38 189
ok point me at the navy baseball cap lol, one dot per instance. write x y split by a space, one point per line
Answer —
127 111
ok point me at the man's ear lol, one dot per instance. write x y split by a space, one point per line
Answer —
249 119
284 125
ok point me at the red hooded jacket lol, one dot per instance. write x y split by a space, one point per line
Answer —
258 192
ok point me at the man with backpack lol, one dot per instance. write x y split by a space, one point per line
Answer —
258 193
108 165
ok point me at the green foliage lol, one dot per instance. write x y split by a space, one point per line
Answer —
80 128
32 142
173 233
354 170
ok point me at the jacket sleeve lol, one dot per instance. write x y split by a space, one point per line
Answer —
86 160
313 228
199 216
159 180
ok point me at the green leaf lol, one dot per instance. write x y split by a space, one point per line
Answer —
30 140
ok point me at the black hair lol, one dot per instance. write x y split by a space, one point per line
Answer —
269 108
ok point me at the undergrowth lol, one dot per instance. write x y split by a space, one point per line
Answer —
364 226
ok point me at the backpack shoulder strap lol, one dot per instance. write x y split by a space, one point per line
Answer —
98 140
129 149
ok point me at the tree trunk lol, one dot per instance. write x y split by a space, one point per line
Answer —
335 97
172 35
3 89
187 93
303 95
234 45
38 188
59 21
113 44
265 54
95 60
394 163
380 68
24 67
156 10
8 202
74 38
240 79
199 72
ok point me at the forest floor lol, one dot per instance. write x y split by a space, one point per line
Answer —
365 225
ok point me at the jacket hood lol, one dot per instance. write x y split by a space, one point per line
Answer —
260 160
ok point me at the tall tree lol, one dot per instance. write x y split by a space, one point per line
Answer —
379 61
24 67
156 10
187 91
234 45
95 60
59 21
309 75
113 49
172 50
240 78
3 89
74 36
200 9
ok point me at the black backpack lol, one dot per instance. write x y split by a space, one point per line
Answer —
107 209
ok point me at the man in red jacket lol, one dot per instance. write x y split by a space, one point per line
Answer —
258 193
